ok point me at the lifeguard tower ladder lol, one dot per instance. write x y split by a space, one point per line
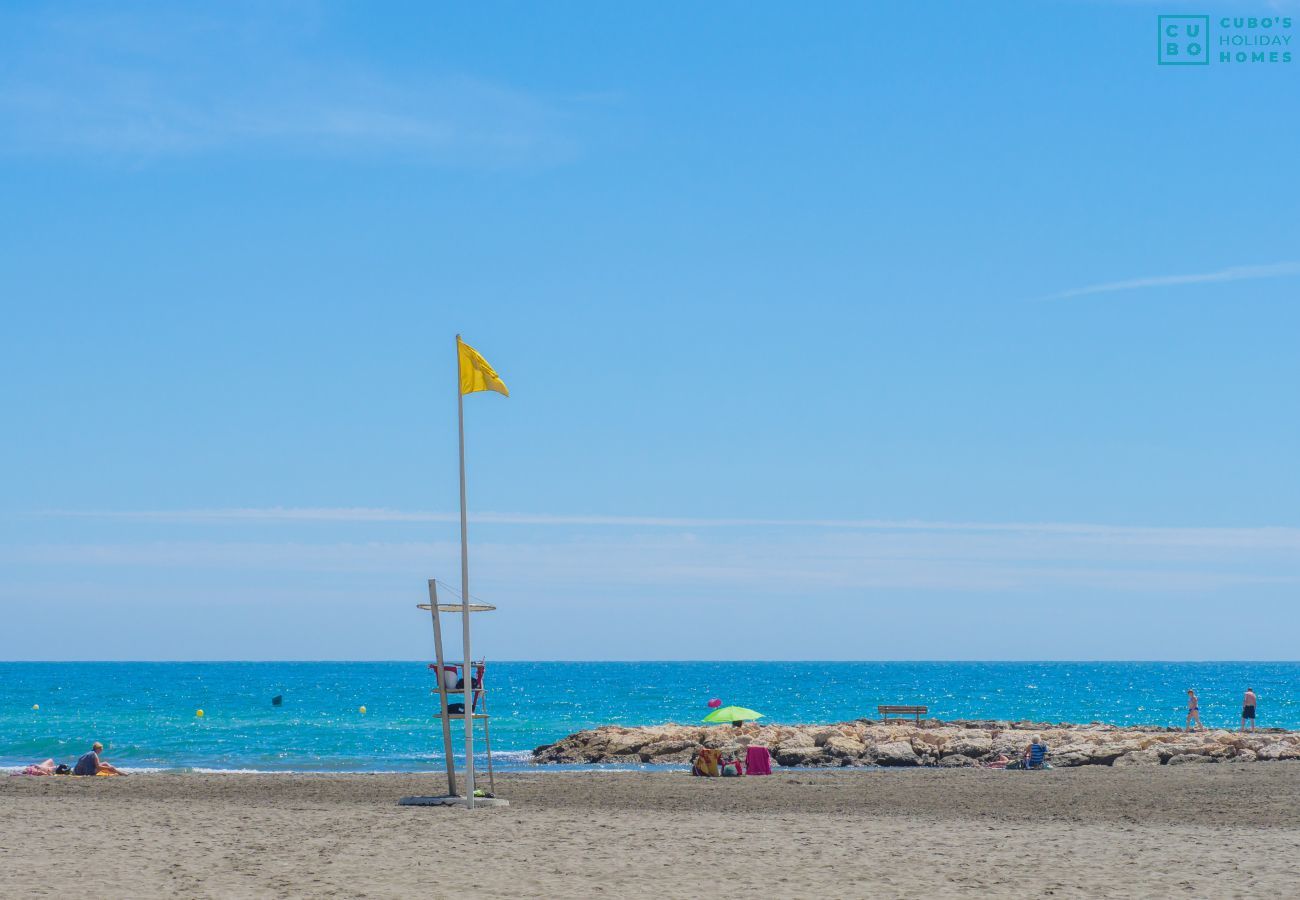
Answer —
471 687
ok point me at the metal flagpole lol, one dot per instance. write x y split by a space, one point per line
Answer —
442 688
468 667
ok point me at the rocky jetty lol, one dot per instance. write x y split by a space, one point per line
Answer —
930 743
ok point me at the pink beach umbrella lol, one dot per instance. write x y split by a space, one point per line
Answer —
714 703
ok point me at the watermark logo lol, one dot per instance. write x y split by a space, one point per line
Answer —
1185 40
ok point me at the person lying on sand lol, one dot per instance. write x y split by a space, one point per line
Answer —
41 768
91 764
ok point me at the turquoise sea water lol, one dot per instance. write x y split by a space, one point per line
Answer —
144 712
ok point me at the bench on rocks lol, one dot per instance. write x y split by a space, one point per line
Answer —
918 711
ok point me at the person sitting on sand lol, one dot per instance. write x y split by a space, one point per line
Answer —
1035 754
1248 709
1193 710
707 762
91 764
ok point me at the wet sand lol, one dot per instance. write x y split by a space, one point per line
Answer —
1226 830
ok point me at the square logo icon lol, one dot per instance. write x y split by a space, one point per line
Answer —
1183 40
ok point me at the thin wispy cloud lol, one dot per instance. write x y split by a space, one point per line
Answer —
1234 273
1190 536
630 563
183 80
1222 5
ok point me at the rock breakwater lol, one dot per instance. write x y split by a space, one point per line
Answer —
867 742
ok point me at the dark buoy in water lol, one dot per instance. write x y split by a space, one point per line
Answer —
277 700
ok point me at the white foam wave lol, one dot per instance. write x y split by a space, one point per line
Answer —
511 755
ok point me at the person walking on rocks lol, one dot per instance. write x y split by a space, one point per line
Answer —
1193 710
1248 709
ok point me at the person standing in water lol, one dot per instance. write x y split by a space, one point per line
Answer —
1248 709
1193 710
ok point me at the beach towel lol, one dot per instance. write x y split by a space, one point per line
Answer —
706 762
1019 765
758 761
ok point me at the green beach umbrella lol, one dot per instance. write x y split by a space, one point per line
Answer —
732 714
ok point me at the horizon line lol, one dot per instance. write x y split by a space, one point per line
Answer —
667 661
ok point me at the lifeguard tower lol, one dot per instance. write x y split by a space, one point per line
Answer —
463 678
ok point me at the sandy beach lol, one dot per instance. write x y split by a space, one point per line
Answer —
1226 830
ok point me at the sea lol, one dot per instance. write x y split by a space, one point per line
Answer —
146 713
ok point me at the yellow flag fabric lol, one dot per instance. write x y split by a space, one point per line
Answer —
476 374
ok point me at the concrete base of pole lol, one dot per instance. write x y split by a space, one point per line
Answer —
479 802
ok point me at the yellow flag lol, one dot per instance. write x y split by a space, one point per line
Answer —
475 372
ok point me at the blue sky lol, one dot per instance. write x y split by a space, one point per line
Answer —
870 331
